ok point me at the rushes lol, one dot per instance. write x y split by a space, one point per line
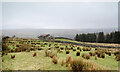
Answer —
49 53
12 56
92 53
28 50
67 52
52 55
86 49
109 53
59 51
117 57
55 59
46 53
68 60
34 54
102 55
77 64
63 62
86 56
74 49
78 53
95 57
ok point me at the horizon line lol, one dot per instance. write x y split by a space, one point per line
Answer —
57 28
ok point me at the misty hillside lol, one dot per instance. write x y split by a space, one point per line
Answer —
69 33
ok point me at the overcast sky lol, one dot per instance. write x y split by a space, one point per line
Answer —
53 15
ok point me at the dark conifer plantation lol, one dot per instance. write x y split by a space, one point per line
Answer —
113 37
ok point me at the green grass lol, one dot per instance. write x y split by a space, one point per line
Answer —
25 60
109 61
68 40
0 61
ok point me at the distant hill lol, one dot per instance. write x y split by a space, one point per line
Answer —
68 33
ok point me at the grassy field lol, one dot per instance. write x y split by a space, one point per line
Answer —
68 40
26 61
0 62
102 44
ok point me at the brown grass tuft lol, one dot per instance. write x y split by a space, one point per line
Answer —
92 53
109 53
116 53
28 50
102 55
67 52
63 62
68 60
78 53
17 50
61 48
55 60
88 56
78 48
83 55
74 49
34 54
77 64
117 57
95 57
52 55
46 53
12 56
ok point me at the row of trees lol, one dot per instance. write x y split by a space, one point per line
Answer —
113 37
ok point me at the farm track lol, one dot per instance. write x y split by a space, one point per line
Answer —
87 45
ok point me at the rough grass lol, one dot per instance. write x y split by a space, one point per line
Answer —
0 61
25 60
68 40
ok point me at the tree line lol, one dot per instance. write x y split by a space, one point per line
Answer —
101 37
